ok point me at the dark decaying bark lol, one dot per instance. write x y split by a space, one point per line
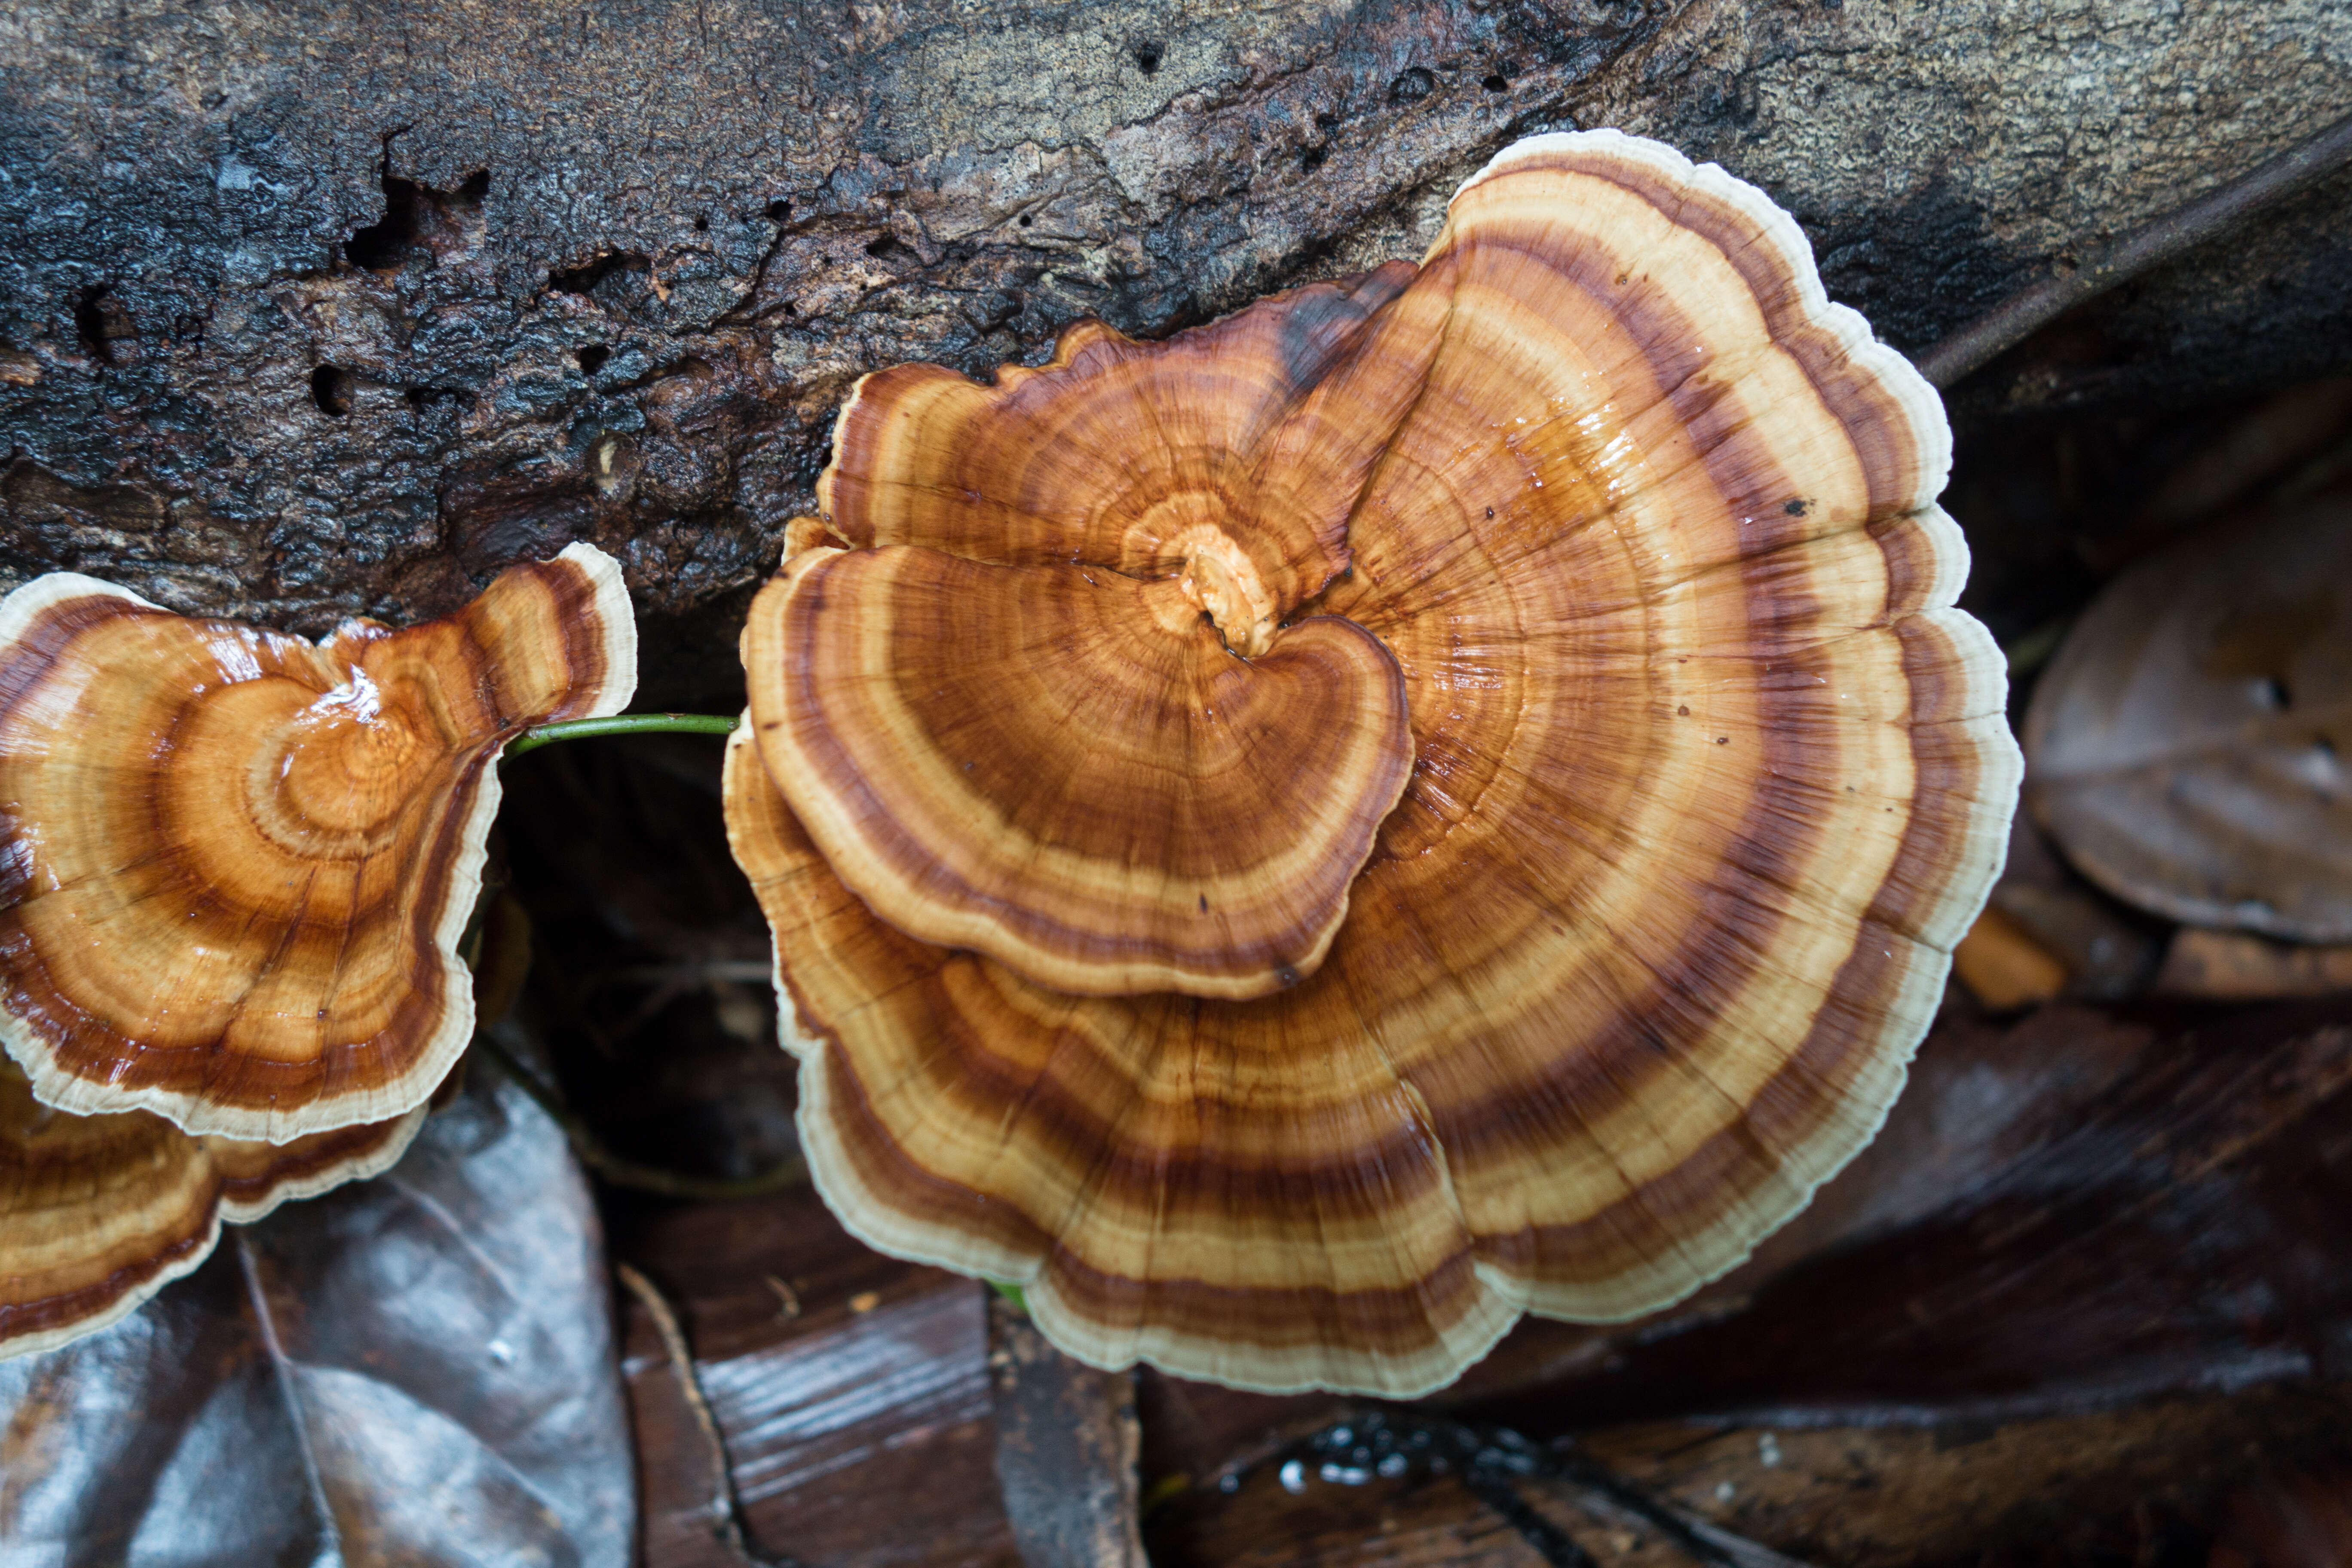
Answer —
316 309
1066 1444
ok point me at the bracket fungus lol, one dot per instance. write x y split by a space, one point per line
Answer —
236 865
98 1213
1707 777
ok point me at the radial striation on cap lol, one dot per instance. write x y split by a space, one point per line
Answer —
1708 775
1064 769
235 865
1228 456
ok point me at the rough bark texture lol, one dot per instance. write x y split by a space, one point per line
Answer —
316 309
1066 1444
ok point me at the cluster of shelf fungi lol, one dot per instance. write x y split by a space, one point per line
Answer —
1437 797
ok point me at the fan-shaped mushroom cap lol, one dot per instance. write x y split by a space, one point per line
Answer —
1709 777
98 1213
1064 769
235 865
1227 459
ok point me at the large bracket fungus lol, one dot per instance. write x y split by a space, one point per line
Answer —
236 866
1707 776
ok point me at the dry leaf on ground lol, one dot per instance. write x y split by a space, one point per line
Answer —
2191 746
2230 966
416 1369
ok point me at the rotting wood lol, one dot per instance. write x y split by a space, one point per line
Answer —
1067 1442
722 1511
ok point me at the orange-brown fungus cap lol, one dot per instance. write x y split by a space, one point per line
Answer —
1062 767
1227 458
98 1213
235 865
1708 778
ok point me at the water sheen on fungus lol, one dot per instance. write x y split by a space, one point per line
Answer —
1707 776
98 1213
235 865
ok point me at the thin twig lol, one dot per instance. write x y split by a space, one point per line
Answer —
626 1172
2154 242
623 724
1492 1487
1696 1535
725 1508
1491 1456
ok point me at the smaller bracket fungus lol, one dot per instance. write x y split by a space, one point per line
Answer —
98 1213
235 865
1704 776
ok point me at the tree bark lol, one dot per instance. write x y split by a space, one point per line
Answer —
313 310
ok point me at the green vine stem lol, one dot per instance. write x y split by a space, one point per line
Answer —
623 724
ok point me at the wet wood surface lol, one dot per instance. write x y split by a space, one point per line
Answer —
2086 1298
2021 1311
316 336
852 1390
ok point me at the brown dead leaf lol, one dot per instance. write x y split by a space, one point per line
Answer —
416 1369
857 1438
2283 443
2001 963
2086 1208
2191 748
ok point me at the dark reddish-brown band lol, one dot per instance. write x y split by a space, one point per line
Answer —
1065 769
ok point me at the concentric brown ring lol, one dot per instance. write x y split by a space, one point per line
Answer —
235 865
1065 768
98 1213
